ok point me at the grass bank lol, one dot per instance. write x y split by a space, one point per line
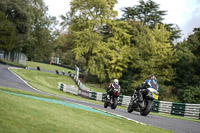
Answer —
47 66
94 87
48 82
21 115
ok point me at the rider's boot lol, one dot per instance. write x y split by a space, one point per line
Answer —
108 96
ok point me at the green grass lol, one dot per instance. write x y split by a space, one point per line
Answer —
47 66
11 63
26 115
97 87
29 93
94 87
48 82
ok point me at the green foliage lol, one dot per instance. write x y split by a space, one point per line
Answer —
87 17
150 51
28 26
190 95
7 34
17 13
91 13
148 13
164 53
187 72
154 52
86 42
40 43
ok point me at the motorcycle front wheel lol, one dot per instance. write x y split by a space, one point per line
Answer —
148 108
130 108
105 104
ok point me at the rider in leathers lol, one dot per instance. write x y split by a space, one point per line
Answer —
149 83
111 87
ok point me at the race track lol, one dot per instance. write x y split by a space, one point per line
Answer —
10 80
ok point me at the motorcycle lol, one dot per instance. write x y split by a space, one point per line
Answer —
145 106
112 102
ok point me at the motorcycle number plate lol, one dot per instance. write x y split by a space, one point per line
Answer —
155 96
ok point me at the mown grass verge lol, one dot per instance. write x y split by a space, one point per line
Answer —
28 93
25 115
47 66
48 82
93 87
11 63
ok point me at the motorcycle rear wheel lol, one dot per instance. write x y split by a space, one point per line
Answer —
114 104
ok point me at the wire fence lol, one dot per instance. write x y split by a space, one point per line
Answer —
13 56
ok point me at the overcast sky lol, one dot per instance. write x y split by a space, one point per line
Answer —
184 13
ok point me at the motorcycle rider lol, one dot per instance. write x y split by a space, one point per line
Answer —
111 87
148 83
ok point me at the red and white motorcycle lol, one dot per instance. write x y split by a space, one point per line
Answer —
113 100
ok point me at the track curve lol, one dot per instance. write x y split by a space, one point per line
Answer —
10 80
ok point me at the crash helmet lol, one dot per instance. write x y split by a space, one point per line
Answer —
116 81
153 77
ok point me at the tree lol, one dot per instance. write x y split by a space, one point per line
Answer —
146 12
164 53
149 14
42 34
87 16
91 14
7 34
187 68
150 56
16 13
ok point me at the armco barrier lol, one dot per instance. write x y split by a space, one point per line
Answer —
60 86
120 99
156 106
165 107
68 88
180 109
94 96
192 111
84 93
126 100
103 97
99 96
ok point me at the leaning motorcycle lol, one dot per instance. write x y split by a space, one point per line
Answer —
112 102
145 106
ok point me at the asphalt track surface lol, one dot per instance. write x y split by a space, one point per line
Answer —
10 80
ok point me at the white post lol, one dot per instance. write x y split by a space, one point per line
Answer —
77 73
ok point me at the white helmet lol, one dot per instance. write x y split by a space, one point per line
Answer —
116 81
